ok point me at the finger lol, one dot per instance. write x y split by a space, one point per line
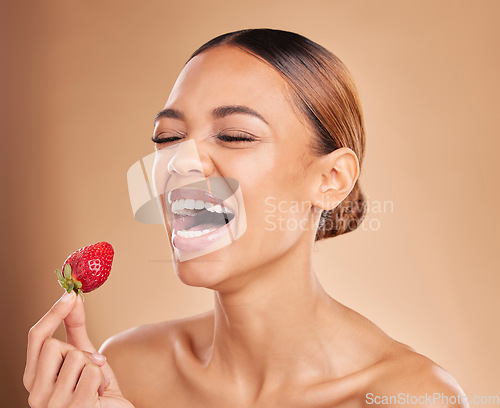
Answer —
49 363
113 386
86 393
96 358
68 377
76 334
42 330
76 331
101 361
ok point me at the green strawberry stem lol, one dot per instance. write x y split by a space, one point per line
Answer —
68 281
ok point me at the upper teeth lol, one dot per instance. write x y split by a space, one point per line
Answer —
180 206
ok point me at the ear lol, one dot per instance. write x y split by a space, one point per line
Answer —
339 171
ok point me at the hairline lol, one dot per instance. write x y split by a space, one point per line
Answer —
290 95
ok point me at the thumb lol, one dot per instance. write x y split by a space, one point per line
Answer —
76 334
76 330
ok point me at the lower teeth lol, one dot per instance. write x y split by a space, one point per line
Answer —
192 234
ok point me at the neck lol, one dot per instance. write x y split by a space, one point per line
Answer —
280 314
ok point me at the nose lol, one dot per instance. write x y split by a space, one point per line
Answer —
186 161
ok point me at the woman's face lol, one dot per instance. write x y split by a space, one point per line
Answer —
229 119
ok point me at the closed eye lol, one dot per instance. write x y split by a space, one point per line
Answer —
235 138
159 139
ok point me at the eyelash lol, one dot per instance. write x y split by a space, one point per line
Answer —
237 138
221 136
159 140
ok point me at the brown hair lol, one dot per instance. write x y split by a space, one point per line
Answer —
325 94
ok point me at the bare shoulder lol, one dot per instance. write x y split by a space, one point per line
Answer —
142 355
392 373
409 379
152 338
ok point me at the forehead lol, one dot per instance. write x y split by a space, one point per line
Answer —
227 75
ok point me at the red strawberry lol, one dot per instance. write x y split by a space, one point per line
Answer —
86 269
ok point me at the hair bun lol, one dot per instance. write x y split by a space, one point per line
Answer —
346 217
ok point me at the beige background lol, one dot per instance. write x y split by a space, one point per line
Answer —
82 80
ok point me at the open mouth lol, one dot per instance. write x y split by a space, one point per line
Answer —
194 218
199 219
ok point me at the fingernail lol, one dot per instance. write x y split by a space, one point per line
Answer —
107 381
99 357
66 297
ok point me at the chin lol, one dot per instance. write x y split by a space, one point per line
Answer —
205 271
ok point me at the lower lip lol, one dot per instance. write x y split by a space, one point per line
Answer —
199 243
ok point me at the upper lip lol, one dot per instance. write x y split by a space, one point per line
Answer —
196 194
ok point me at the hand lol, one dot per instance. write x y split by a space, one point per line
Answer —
71 374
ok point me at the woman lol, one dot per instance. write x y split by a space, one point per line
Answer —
280 115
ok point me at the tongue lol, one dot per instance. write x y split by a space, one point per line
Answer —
201 227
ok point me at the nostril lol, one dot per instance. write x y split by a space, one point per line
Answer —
185 167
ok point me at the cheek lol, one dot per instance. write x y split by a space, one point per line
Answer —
274 170
271 184
256 171
271 170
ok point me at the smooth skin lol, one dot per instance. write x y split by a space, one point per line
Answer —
275 338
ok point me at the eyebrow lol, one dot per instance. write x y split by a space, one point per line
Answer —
217 113
224 111
169 113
